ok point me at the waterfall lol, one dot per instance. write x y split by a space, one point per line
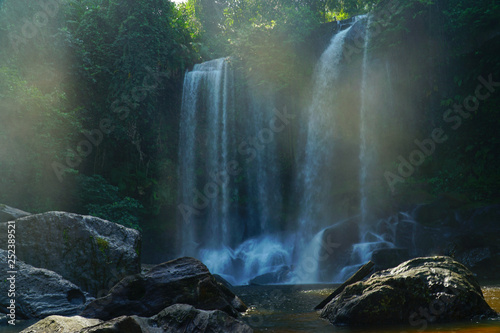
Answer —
364 154
314 179
231 200
204 147
262 172
229 187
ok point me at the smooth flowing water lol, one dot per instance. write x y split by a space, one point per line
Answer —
365 158
229 160
234 222
314 180
206 99
288 309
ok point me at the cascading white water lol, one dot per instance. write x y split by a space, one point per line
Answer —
262 171
236 228
364 153
213 136
314 182
370 238
207 101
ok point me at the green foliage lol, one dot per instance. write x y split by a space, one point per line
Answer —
124 61
347 8
103 200
455 42
265 36
469 21
35 129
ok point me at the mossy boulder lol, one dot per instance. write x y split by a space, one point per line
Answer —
418 292
91 252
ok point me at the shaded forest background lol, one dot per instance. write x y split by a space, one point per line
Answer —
90 94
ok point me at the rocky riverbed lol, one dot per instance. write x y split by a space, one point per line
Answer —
92 282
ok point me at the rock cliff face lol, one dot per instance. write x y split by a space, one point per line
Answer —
92 253
417 292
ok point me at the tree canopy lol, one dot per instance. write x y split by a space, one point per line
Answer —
90 90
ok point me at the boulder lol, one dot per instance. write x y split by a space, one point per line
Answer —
336 247
92 253
417 292
61 324
184 280
181 318
128 324
279 276
10 213
38 292
178 318
222 281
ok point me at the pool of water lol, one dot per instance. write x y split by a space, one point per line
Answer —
289 309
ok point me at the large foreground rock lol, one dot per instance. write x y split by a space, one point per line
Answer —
417 292
59 324
181 318
184 280
38 292
178 318
92 253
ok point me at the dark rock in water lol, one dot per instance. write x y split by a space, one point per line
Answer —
336 248
280 276
418 292
92 253
226 288
39 292
440 212
10 213
235 301
387 258
222 281
128 324
184 280
178 318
